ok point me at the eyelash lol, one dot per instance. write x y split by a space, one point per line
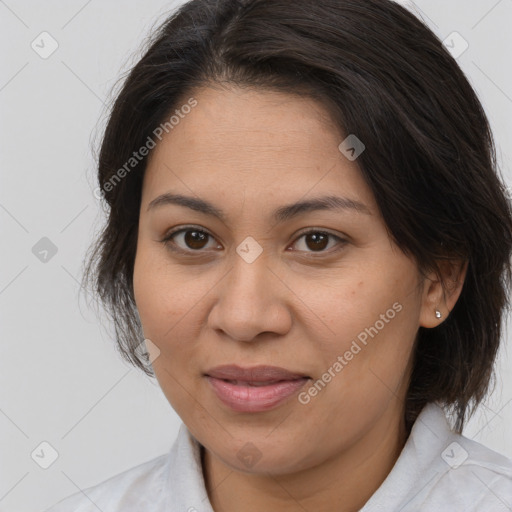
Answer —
168 242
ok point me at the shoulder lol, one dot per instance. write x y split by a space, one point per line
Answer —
474 475
131 490
440 470
172 481
462 474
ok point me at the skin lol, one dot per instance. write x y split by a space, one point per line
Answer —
296 306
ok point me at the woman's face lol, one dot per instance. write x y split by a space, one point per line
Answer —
339 307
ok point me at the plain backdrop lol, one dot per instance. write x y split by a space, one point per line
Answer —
61 379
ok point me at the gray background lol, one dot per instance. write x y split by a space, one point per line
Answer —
61 380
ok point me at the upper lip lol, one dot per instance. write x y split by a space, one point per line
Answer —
253 374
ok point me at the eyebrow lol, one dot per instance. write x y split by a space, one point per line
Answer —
281 214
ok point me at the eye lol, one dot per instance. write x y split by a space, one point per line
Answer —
187 240
317 241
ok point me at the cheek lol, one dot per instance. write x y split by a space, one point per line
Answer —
342 308
163 297
372 322
172 308
168 308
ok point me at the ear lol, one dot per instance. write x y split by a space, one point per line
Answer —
435 297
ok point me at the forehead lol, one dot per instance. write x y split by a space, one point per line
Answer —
258 143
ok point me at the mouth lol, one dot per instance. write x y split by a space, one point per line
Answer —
254 375
255 389
255 384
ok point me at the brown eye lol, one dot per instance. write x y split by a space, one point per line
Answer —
195 239
317 241
187 240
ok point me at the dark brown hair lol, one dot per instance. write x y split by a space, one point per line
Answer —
429 160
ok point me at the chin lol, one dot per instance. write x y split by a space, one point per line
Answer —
262 455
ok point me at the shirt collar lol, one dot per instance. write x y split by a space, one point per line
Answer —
187 488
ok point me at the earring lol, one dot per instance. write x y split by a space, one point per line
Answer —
438 314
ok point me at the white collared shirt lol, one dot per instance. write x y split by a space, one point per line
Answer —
437 470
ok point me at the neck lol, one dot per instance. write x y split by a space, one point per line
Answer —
343 483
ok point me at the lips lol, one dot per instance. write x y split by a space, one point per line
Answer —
257 375
256 389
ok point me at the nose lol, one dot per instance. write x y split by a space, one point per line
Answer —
251 300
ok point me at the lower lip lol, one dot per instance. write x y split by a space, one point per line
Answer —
245 398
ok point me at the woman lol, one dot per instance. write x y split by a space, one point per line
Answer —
308 230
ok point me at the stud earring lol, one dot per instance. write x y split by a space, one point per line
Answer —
438 314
